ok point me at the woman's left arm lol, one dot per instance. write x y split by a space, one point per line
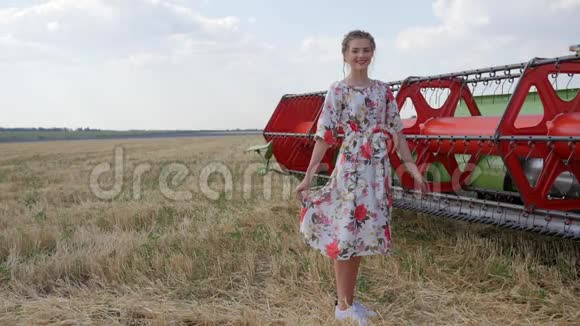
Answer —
395 128
400 144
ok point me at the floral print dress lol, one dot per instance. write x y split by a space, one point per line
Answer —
351 214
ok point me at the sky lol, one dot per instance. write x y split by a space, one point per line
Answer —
217 64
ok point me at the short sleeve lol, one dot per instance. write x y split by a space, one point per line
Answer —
327 126
394 123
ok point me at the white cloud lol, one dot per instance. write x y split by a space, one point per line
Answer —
135 64
487 32
139 33
213 25
316 49
13 50
53 26
145 59
564 4
168 64
110 29
453 13
53 8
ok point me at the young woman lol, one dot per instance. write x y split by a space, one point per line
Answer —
350 216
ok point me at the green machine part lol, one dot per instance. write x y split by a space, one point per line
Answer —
489 172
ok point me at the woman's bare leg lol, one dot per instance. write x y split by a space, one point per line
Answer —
346 272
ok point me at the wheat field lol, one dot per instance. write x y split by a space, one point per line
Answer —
182 244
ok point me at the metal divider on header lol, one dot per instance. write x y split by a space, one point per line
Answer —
552 141
429 149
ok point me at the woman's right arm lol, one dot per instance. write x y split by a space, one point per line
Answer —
318 152
320 148
325 136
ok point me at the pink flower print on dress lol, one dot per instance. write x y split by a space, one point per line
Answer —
332 249
325 220
387 184
360 212
327 198
302 213
324 198
350 227
329 137
353 126
388 232
366 151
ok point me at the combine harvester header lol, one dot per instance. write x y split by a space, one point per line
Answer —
509 156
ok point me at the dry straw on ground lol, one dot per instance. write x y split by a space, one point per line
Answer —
70 258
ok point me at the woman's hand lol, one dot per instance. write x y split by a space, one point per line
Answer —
400 145
395 141
304 185
422 184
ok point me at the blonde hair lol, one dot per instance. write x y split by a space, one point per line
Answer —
354 35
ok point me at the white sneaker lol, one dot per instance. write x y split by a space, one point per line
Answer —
353 313
364 310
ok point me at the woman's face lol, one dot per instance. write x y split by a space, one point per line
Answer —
358 54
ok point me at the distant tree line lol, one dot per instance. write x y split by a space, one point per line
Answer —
48 129
92 129
238 129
